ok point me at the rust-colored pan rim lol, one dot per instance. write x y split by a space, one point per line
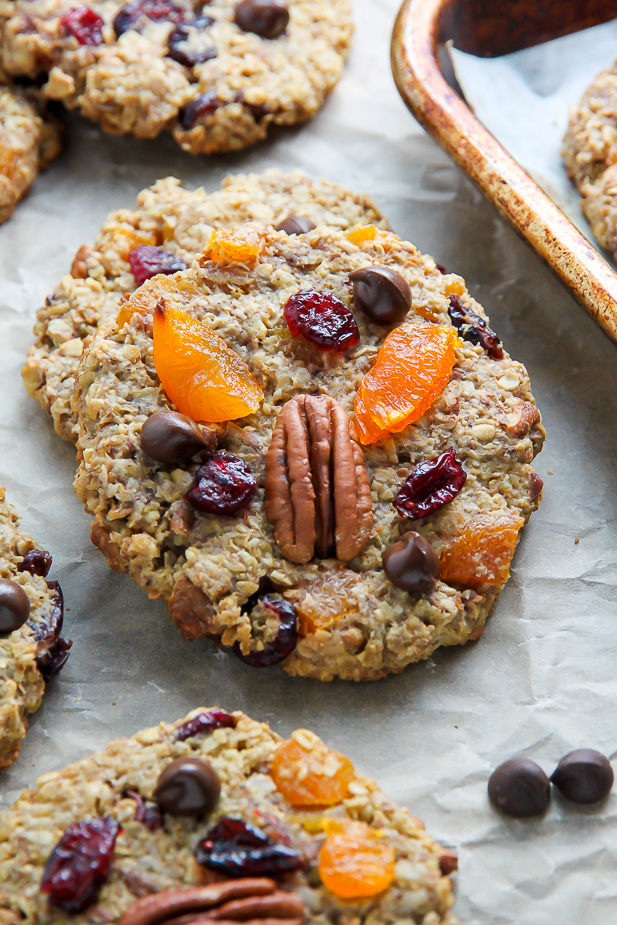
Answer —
437 106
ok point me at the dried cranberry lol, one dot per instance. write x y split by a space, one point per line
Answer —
201 106
323 319
84 24
79 864
147 813
53 649
147 261
37 562
474 329
237 849
204 724
432 484
224 485
176 43
283 643
135 14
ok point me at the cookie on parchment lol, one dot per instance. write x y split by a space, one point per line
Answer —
275 528
167 228
216 815
217 75
31 649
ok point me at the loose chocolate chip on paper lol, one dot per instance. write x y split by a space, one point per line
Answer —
584 776
519 788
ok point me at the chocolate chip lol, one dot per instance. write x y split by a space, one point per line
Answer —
170 437
383 294
267 18
520 788
202 105
14 606
177 43
188 787
411 564
584 776
295 224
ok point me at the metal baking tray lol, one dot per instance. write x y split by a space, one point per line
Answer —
489 29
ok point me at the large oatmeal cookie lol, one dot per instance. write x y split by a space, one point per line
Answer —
157 850
211 75
212 568
32 653
181 221
29 141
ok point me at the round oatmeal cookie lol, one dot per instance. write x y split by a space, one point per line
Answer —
217 75
33 651
178 223
29 141
277 543
213 810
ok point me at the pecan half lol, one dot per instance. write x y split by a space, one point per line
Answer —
318 495
254 900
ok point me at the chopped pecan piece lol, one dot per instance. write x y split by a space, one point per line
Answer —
79 267
521 420
318 495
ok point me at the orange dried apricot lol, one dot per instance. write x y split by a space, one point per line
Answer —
411 370
355 861
324 602
125 239
308 773
482 551
361 234
8 161
242 245
201 375
144 299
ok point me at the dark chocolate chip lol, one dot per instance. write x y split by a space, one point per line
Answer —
178 49
203 105
170 437
37 562
267 18
584 776
381 293
520 788
411 564
14 606
295 224
188 787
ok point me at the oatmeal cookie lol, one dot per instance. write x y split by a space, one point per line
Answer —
207 815
29 141
216 77
272 545
31 649
177 222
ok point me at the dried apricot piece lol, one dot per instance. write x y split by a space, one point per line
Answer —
482 551
361 234
355 861
241 245
324 602
201 375
8 161
144 299
125 239
412 368
308 773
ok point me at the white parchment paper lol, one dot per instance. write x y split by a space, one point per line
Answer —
542 679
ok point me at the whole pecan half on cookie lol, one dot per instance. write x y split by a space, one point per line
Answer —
318 495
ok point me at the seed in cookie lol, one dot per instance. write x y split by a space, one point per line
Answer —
79 864
239 849
322 319
224 485
295 224
354 862
411 563
432 484
147 261
188 44
266 18
135 15
381 293
474 329
170 437
201 106
519 788
188 787
584 776
285 635
14 606
84 24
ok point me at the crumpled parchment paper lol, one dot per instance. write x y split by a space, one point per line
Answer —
542 679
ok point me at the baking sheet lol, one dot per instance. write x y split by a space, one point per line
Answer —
540 682
524 99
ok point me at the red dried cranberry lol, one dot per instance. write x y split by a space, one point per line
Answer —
84 24
474 329
237 849
201 106
224 485
432 484
53 650
79 864
323 319
37 562
147 261
283 643
204 724
135 14
146 812
180 52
